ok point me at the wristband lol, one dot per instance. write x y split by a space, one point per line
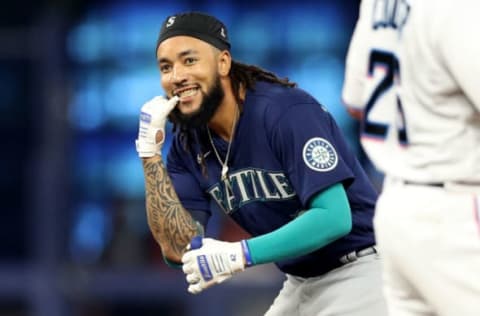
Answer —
246 253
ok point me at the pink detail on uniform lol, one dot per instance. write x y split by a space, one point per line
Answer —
380 140
372 138
345 104
379 67
354 111
476 211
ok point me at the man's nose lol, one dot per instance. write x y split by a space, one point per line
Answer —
178 74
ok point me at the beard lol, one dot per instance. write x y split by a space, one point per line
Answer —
208 107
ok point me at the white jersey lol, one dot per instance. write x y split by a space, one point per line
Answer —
413 68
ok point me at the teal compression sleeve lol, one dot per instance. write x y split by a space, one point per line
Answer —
328 219
172 264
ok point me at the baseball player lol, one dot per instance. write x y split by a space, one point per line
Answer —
268 155
412 77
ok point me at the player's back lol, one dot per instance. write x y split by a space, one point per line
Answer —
411 67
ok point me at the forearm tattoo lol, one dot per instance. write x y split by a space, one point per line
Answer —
171 225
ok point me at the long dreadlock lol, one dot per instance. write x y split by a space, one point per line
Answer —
242 76
246 76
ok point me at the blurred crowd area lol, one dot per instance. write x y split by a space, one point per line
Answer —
73 236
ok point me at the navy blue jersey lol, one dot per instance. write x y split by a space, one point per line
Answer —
286 149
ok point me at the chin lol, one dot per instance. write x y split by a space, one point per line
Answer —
188 107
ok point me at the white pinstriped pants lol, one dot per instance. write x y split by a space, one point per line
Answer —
429 238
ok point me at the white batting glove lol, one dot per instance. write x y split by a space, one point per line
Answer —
153 117
211 262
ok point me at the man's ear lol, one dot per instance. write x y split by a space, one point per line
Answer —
224 63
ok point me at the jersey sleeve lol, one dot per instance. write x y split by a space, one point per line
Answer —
187 188
356 65
310 148
459 49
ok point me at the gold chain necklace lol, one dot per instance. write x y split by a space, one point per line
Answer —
224 164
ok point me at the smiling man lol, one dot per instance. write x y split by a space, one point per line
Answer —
267 154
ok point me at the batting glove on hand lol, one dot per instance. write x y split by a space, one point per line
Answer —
153 117
211 262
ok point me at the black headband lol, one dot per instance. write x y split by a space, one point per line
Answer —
199 25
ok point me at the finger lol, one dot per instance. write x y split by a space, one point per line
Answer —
221 279
187 268
171 103
206 285
193 278
195 288
188 257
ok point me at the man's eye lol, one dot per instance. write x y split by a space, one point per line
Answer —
165 68
190 60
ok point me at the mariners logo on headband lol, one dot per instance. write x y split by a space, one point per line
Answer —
170 21
319 154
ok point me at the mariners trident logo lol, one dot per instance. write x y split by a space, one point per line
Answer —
319 154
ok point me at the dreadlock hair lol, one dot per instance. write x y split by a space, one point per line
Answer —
242 76
246 76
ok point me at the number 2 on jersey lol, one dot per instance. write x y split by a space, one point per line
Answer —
374 128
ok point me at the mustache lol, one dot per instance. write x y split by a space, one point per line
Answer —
210 103
179 87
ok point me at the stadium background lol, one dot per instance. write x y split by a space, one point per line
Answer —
73 233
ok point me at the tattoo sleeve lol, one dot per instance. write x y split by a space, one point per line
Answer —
171 225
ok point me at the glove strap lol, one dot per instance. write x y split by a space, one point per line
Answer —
246 253
145 149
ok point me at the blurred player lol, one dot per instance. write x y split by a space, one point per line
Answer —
268 155
412 77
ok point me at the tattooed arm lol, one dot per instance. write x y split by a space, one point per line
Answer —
171 225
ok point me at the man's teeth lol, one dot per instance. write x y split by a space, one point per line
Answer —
188 92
